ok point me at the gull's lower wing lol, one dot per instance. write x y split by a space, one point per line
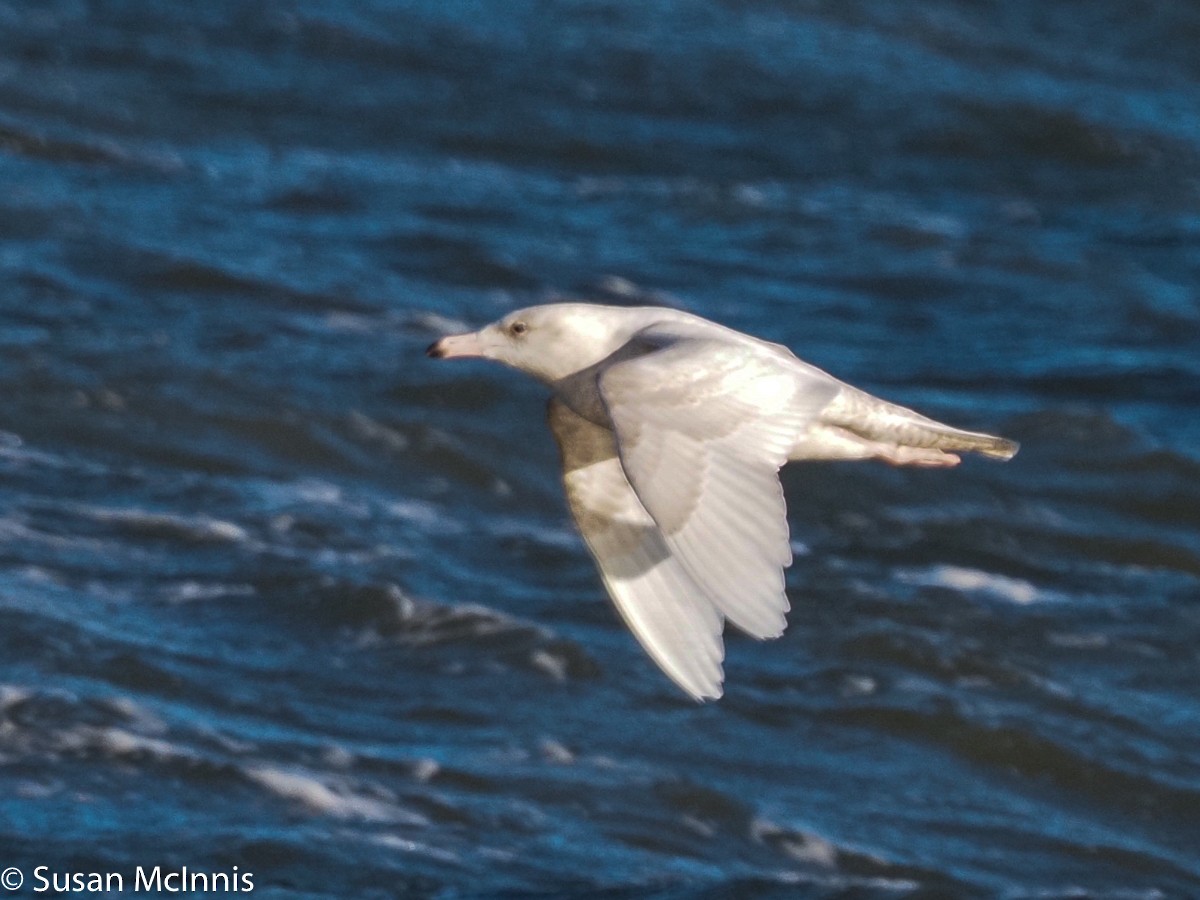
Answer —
670 615
702 427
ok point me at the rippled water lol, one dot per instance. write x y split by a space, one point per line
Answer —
278 593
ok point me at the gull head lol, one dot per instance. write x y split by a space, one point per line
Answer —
548 342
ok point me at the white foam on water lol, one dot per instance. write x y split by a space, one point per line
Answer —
555 752
958 578
11 695
564 538
193 591
440 324
407 845
371 430
118 742
16 453
553 665
195 527
340 802
803 847
427 516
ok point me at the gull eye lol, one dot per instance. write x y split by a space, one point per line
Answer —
518 328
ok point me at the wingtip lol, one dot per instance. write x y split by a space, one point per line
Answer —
700 689
704 696
1003 450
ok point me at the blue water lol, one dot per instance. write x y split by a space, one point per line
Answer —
278 593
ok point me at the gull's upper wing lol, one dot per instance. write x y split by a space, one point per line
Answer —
671 616
703 424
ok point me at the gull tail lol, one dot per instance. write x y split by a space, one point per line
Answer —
901 436
943 437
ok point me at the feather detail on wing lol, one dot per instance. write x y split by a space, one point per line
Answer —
702 428
671 616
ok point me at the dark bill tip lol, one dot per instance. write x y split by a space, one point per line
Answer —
435 350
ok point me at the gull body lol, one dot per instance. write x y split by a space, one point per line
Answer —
672 430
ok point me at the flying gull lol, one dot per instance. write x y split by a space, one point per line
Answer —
672 431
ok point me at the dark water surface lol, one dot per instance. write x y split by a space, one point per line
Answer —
277 592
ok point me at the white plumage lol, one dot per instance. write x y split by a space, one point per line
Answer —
672 430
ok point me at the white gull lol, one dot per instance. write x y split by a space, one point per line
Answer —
672 430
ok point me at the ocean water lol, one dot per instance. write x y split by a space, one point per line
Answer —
282 598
